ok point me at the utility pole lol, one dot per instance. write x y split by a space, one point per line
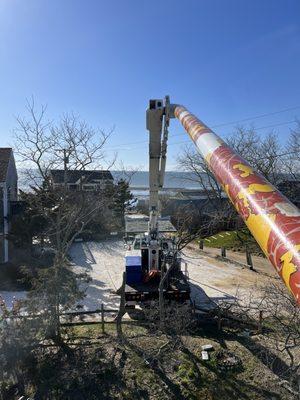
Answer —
66 162
66 153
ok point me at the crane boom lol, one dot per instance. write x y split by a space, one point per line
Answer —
271 218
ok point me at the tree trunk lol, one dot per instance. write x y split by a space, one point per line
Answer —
161 293
161 297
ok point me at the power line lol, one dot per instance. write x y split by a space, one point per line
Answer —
279 155
188 142
257 129
220 125
257 116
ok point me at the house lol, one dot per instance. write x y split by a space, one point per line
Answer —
291 189
201 208
87 180
8 195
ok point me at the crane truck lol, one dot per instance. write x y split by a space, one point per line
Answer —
154 253
271 218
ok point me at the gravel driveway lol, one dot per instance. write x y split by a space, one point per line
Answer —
104 262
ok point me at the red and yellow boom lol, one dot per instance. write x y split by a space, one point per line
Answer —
271 218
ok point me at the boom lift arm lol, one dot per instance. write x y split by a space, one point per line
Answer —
158 116
271 218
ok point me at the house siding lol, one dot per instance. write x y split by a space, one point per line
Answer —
12 180
8 192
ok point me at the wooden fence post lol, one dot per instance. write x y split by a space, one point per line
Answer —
186 272
260 320
122 308
223 252
249 258
102 318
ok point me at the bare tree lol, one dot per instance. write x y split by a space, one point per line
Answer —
41 144
283 315
291 156
126 172
34 142
65 216
191 161
275 315
263 153
84 144
215 209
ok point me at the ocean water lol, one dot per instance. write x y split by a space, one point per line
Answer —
139 181
173 179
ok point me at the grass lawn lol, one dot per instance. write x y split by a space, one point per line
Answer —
124 371
233 240
147 364
227 239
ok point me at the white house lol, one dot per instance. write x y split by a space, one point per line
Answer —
8 193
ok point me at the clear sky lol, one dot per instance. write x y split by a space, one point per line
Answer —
225 60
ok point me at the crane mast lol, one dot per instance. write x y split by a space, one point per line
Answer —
157 117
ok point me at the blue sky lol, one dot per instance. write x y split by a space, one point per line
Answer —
223 59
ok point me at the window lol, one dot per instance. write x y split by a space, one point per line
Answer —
88 188
73 186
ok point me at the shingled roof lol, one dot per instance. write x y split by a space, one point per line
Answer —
75 175
5 155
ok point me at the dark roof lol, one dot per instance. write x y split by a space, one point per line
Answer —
204 206
140 225
75 175
5 154
289 182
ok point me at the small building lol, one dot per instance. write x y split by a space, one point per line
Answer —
8 195
200 208
204 201
78 180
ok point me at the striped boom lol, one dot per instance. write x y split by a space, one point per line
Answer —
271 218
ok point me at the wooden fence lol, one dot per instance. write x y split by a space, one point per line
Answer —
101 312
223 251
